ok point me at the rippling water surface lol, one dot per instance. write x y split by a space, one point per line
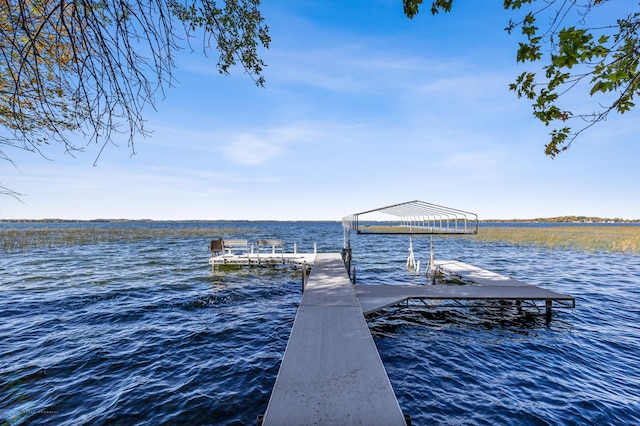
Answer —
144 333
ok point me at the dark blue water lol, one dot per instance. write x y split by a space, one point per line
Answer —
142 333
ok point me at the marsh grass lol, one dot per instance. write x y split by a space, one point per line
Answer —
619 239
17 240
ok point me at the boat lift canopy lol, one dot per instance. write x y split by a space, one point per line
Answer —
412 217
409 218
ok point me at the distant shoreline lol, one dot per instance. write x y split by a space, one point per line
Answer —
154 220
567 220
559 219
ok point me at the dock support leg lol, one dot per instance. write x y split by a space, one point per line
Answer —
304 275
346 258
548 312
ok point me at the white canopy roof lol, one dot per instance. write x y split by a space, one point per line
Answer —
412 217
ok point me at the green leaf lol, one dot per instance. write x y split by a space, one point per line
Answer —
411 7
558 142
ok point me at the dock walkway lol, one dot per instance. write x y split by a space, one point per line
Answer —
331 372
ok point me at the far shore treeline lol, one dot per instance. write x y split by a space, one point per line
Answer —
558 219
154 220
567 219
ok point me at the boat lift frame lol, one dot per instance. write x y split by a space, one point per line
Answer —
418 217
409 218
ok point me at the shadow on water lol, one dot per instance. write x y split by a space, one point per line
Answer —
508 318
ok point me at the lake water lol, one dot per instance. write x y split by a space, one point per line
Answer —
143 333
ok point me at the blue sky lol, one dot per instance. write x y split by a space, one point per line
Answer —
362 108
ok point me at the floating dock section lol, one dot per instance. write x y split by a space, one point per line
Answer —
331 372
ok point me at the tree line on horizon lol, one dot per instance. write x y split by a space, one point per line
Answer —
568 219
556 219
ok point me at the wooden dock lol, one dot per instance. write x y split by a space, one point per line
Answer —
331 372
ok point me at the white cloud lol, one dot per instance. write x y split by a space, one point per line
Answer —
263 146
251 150
357 68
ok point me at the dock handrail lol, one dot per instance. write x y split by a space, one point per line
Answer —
270 244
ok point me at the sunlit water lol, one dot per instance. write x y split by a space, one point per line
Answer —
144 333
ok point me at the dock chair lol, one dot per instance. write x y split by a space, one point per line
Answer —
216 247
270 246
238 247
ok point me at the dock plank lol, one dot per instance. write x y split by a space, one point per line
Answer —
331 372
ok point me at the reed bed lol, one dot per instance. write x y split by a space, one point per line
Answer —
618 239
18 240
